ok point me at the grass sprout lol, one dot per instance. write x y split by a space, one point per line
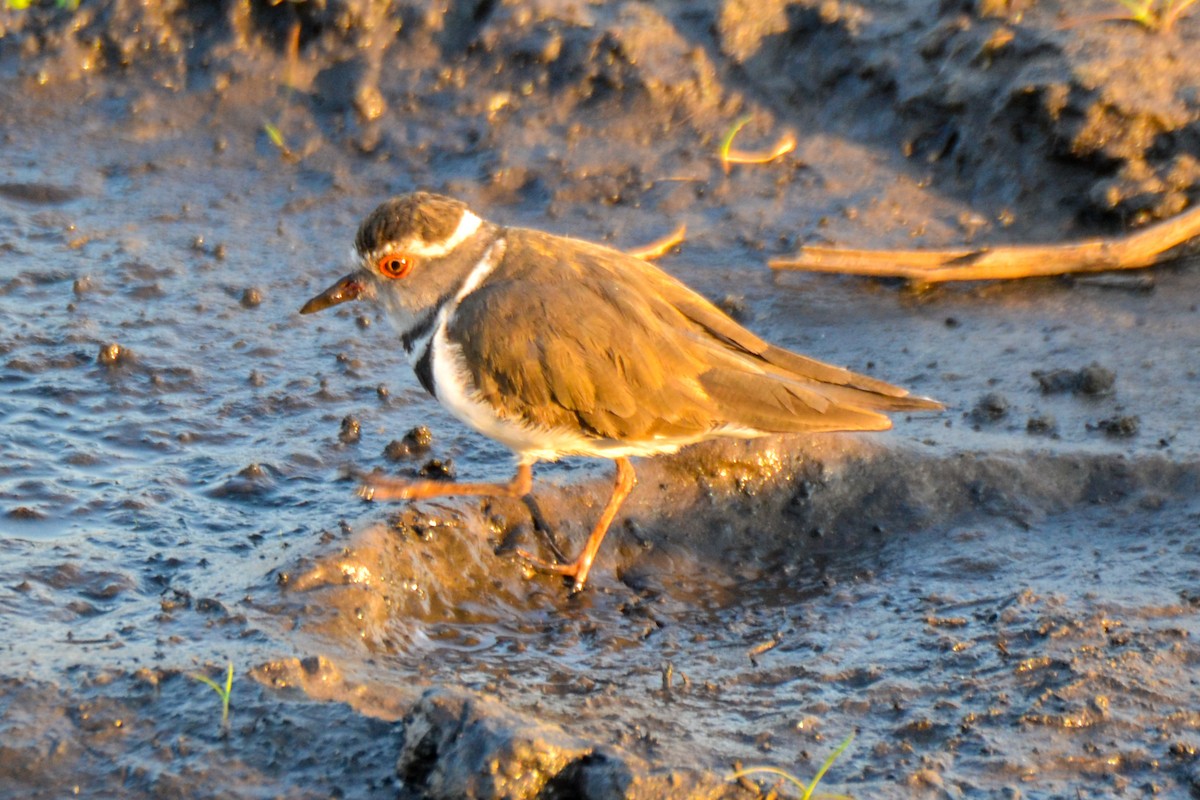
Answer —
22 5
729 156
223 692
1158 16
276 137
807 791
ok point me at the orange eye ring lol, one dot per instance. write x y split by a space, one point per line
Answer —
395 265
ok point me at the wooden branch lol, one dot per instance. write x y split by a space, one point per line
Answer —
1135 250
660 247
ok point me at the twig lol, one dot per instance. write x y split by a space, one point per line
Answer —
1135 250
660 247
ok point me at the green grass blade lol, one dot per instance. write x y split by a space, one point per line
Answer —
208 681
275 135
727 139
808 792
828 763
224 692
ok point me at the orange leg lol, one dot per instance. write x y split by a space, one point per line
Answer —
581 566
381 487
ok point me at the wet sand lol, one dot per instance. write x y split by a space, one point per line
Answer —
998 601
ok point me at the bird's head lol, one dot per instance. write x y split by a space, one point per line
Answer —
413 252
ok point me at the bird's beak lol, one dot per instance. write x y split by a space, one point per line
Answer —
348 288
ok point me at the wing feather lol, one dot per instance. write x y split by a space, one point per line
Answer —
567 334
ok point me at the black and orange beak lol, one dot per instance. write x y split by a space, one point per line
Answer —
348 288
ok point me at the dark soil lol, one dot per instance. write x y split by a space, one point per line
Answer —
998 601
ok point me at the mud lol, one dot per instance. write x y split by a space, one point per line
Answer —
999 601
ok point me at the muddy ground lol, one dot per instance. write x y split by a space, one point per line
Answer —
1001 600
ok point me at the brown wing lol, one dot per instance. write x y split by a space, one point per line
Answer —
569 334
836 382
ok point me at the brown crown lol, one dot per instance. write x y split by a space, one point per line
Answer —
430 217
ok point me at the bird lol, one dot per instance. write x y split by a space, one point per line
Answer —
559 347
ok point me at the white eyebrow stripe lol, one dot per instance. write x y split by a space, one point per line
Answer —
467 225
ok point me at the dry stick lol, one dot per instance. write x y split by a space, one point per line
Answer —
659 247
1134 250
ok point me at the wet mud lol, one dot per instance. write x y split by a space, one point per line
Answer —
1002 600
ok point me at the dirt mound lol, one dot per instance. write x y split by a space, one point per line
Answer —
1038 110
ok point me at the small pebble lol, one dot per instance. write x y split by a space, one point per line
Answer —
112 355
351 431
415 442
1096 380
1041 425
991 407
437 469
1119 427
252 298
1092 380
1183 749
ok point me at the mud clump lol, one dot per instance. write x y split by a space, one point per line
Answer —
351 430
439 470
38 193
113 356
1092 380
252 298
456 744
415 443
24 513
990 408
1122 427
1041 425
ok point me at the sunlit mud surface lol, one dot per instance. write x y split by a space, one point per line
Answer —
1002 600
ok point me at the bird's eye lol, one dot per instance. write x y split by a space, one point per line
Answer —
395 266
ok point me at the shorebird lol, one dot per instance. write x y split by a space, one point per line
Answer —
558 347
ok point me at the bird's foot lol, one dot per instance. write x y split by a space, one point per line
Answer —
576 570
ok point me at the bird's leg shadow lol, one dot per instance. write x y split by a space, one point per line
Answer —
511 541
542 528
